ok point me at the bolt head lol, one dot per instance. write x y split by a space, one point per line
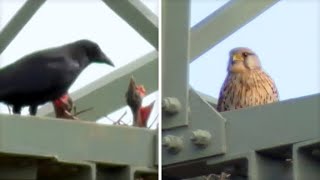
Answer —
201 138
173 144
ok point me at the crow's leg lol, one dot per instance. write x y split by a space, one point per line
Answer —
16 109
33 110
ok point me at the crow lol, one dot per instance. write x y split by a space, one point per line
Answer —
46 75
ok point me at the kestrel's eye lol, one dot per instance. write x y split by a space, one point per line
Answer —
246 54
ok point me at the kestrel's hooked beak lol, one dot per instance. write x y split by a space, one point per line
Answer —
237 57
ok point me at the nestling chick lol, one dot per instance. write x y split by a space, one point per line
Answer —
134 98
63 107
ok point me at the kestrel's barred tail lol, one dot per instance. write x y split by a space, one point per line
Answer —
247 89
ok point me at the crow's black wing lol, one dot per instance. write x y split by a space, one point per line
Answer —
38 74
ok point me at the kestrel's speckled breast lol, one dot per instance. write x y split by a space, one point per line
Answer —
247 89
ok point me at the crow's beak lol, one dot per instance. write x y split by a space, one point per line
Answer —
108 61
104 59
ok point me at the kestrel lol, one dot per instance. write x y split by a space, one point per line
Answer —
246 83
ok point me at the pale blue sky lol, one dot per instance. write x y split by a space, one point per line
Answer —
286 38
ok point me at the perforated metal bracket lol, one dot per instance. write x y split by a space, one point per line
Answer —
306 160
208 126
105 171
265 143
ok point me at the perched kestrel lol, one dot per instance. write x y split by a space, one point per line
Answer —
246 83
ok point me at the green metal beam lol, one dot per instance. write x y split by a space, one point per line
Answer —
224 22
205 166
136 14
270 123
12 167
204 118
299 161
67 140
259 129
18 21
209 99
24 166
306 160
107 94
175 53
125 172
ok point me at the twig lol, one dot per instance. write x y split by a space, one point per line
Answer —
119 120
9 109
121 117
70 115
111 120
153 121
82 111
222 176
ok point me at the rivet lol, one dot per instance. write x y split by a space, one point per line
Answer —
201 138
171 105
172 143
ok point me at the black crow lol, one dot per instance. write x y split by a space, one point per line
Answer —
47 74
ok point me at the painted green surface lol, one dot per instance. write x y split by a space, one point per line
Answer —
13 166
76 140
139 17
246 132
202 116
73 149
305 164
274 124
31 167
175 55
260 140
